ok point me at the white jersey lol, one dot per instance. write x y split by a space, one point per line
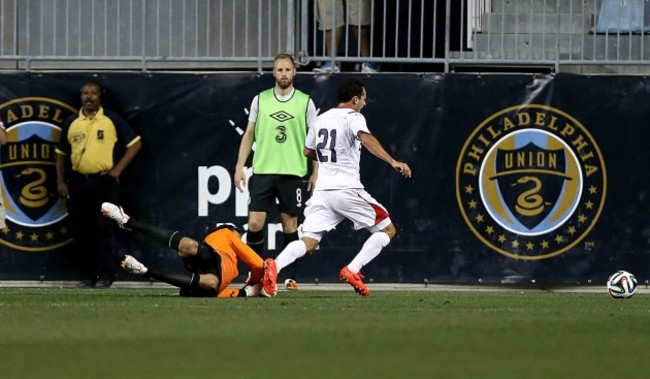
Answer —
335 139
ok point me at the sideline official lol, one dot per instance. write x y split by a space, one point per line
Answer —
96 145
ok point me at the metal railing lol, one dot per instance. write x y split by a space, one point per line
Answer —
145 34
561 34
247 34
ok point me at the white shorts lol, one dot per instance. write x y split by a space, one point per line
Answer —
326 209
358 13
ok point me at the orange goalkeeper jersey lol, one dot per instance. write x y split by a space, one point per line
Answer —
232 249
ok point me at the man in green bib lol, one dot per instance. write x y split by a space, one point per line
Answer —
277 124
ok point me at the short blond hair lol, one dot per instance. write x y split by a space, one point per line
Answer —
285 56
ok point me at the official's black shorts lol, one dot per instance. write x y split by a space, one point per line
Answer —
290 190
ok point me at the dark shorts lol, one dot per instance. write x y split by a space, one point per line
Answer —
206 261
290 190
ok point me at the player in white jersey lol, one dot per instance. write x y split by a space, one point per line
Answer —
335 141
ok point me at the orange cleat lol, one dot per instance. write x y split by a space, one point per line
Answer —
269 281
354 280
290 285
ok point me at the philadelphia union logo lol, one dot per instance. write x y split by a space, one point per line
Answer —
36 216
531 182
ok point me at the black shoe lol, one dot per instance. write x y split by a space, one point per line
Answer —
104 284
85 284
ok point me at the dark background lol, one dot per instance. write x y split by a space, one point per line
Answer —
184 121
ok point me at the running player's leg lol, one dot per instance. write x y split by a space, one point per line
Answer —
291 271
289 234
297 249
318 220
372 247
365 212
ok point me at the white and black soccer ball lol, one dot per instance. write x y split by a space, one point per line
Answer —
621 285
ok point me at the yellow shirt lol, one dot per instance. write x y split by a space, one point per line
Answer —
91 142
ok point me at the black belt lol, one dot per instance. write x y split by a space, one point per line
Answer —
89 176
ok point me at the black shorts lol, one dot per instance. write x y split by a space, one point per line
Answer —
290 191
206 261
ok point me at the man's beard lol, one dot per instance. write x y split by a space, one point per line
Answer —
285 85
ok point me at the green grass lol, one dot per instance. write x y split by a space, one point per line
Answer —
145 333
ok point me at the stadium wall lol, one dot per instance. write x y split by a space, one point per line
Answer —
516 178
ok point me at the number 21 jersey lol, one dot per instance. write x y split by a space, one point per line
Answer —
335 139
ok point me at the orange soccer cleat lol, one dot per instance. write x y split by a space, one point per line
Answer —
354 280
291 285
269 281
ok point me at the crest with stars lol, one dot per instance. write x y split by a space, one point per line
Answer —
36 215
531 182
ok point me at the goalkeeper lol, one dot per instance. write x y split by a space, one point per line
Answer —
211 265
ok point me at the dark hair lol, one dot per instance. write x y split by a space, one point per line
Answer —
96 84
226 225
349 88
285 56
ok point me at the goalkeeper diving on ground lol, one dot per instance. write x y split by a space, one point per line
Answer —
211 265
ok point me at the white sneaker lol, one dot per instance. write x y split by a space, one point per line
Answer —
116 213
327 68
369 68
133 266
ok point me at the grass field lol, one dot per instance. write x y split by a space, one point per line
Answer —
146 333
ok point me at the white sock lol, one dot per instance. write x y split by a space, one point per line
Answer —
371 248
293 251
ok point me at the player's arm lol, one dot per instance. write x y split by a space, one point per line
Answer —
310 147
311 154
246 145
245 148
62 152
314 173
312 114
374 146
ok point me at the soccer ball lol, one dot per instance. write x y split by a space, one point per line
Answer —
621 285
